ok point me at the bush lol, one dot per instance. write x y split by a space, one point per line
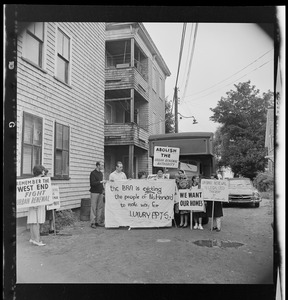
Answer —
264 182
64 218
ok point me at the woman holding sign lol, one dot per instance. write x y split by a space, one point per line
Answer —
37 214
218 211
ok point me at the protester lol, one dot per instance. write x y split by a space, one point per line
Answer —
197 215
182 182
142 175
118 174
218 211
96 195
160 174
36 214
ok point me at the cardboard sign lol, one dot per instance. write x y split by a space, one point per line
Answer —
55 197
191 199
167 157
215 190
34 191
139 203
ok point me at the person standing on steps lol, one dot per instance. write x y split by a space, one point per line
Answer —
96 196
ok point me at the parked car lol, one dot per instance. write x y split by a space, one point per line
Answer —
241 190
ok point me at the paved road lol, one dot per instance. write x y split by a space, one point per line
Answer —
242 253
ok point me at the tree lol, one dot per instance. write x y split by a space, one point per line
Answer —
169 117
240 141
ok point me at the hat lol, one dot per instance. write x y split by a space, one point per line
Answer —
38 169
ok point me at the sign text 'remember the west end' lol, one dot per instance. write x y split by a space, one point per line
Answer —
166 157
34 192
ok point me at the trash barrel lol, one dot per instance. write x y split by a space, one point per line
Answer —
85 209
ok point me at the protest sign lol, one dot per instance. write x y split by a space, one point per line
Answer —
215 190
139 203
191 200
166 157
33 192
55 197
154 176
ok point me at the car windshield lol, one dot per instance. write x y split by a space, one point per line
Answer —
241 183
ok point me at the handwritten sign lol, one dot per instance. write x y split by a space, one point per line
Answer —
34 192
166 157
154 176
191 199
139 203
215 190
55 197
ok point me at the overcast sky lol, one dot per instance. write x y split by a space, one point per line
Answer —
224 54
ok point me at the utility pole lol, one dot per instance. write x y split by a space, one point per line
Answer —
176 108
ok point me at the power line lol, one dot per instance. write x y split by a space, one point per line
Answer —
230 75
230 82
181 50
179 62
189 51
191 57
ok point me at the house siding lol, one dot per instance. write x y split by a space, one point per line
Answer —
79 106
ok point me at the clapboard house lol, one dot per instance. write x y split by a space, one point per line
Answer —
135 75
60 103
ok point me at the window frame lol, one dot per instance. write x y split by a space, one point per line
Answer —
60 56
23 143
61 176
42 52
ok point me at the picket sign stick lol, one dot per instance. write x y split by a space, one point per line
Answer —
212 216
191 219
54 221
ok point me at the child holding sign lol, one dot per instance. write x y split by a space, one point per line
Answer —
197 214
183 183
37 214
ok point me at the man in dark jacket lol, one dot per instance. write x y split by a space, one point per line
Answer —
96 194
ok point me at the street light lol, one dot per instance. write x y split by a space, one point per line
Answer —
194 120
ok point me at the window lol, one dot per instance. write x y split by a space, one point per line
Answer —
33 43
61 157
31 143
63 56
154 79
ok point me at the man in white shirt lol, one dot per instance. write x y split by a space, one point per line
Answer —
118 174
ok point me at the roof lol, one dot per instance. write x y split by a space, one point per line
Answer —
180 135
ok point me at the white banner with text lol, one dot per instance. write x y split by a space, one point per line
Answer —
191 199
33 192
55 197
139 203
215 190
167 157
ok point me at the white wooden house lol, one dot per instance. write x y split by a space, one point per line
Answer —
60 103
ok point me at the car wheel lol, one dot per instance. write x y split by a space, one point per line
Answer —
257 204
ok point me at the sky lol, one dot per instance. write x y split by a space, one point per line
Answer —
223 54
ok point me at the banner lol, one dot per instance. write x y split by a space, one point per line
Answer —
191 199
166 157
154 176
55 197
139 203
215 190
33 192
